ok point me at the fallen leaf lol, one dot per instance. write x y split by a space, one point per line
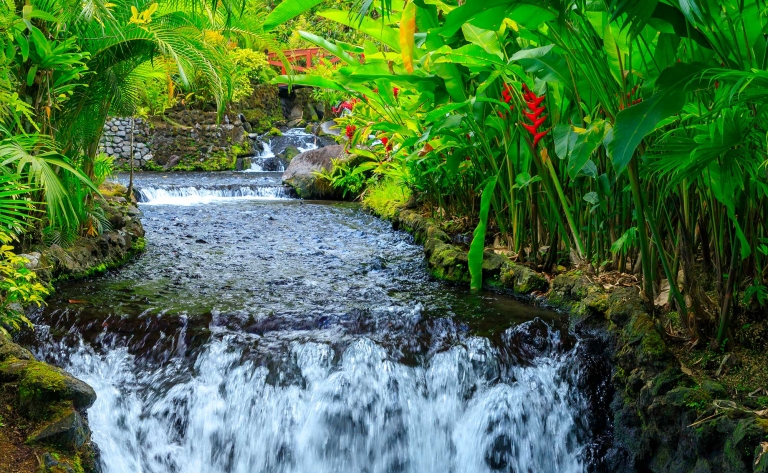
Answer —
764 446
75 301
686 370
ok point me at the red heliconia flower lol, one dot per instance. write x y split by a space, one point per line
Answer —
536 108
351 131
395 91
384 140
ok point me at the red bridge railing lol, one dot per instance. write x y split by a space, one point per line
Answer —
301 59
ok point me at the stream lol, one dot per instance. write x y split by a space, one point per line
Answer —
262 333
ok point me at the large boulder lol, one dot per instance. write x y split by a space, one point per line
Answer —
301 173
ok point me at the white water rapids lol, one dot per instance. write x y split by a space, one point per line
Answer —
360 413
191 195
259 334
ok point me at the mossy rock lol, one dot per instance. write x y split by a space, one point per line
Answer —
562 286
8 349
623 304
521 279
42 385
448 263
65 428
668 379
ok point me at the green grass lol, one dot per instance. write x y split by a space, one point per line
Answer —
386 198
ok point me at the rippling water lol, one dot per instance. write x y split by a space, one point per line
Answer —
284 336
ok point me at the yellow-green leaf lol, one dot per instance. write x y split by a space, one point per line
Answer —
407 31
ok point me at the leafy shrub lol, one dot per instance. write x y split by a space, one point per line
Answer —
19 287
103 167
251 67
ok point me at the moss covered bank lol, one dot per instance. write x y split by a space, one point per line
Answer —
662 420
43 420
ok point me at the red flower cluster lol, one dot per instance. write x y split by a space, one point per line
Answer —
631 94
351 131
386 143
346 105
506 95
536 108
395 91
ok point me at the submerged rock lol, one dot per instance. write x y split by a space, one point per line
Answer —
301 173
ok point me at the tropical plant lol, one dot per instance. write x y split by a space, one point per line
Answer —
607 135
19 287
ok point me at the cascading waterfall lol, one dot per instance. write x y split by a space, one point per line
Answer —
267 160
190 195
358 410
288 337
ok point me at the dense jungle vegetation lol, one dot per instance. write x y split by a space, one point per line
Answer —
612 136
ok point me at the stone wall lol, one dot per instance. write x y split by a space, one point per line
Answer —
192 138
116 140
199 144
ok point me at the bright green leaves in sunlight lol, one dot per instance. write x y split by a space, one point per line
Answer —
288 10
407 32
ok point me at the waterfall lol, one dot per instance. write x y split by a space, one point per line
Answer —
191 195
467 409
267 160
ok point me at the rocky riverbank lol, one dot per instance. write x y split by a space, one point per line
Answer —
662 419
43 421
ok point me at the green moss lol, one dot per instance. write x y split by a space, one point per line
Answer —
139 244
653 345
216 161
274 132
152 166
39 382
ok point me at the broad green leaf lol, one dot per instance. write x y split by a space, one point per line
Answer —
31 75
486 39
373 28
477 247
286 11
545 64
441 112
392 128
637 121
310 80
565 140
463 14
530 16
467 55
586 144
330 47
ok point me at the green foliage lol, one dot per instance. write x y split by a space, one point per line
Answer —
19 287
624 137
386 197
251 67
103 167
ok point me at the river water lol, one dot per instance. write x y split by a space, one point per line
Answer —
260 333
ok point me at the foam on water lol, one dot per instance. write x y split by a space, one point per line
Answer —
320 411
191 195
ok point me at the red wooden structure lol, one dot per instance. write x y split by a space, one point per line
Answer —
301 59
